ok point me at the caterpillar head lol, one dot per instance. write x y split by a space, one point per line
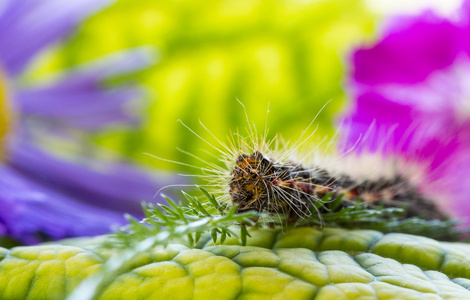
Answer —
249 185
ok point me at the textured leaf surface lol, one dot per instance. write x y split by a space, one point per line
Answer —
302 264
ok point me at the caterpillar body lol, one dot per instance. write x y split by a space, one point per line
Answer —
263 184
266 176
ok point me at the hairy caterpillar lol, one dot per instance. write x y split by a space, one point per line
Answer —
273 177
261 184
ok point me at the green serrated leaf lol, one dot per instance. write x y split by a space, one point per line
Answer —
223 236
196 204
335 204
170 210
197 237
214 235
243 234
212 200
191 241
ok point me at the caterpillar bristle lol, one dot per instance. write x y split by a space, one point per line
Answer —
265 185
271 176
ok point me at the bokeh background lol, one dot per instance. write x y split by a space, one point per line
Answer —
291 54
75 125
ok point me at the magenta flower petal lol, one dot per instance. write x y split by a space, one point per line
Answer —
411 50
28 26
410 97
373 109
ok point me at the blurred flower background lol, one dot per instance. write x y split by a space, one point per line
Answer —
50 187
413 85
288 53
77 116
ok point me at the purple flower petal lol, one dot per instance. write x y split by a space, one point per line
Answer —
113 64
28 26
113 186
89 109
44 196
31 212
78 99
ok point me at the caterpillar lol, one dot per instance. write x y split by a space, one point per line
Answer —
263 184
267 176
